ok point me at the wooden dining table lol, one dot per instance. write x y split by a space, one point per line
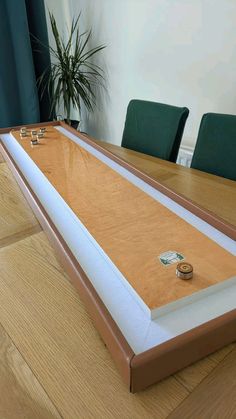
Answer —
211 192
53 363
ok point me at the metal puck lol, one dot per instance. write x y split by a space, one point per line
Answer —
33 132
184 270
34 141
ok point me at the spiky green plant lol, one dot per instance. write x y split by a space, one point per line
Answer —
72 76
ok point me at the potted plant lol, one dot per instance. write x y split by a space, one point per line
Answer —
73 76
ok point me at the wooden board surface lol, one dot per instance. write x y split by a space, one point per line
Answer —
21 395
211 192
131 227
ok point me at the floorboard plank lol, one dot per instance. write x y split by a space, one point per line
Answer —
21 395
21 235
215 397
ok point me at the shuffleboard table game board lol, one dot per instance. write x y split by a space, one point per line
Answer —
123 238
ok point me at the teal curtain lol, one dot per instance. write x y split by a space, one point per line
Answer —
21 62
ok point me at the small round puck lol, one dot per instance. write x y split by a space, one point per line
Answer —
34 141
33 132
184 270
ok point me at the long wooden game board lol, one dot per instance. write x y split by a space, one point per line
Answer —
110 224
132 228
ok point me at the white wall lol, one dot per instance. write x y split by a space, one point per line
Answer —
181 52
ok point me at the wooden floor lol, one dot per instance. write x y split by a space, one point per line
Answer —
53 363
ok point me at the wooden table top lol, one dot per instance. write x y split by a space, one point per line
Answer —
214 193
53 363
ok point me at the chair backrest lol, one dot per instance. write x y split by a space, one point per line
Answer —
154 128
215 150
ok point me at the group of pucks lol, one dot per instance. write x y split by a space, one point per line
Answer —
36 135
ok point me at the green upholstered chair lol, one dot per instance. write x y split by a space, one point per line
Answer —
154 128
215 150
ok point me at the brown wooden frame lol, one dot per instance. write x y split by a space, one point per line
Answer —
138 371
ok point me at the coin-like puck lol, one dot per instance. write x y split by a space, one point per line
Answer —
184 270
34 141
33 132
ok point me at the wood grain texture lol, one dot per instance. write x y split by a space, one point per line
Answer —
133 228
13 238
21 395
193 375
215 397
43 314
214 193
15 215
1 158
